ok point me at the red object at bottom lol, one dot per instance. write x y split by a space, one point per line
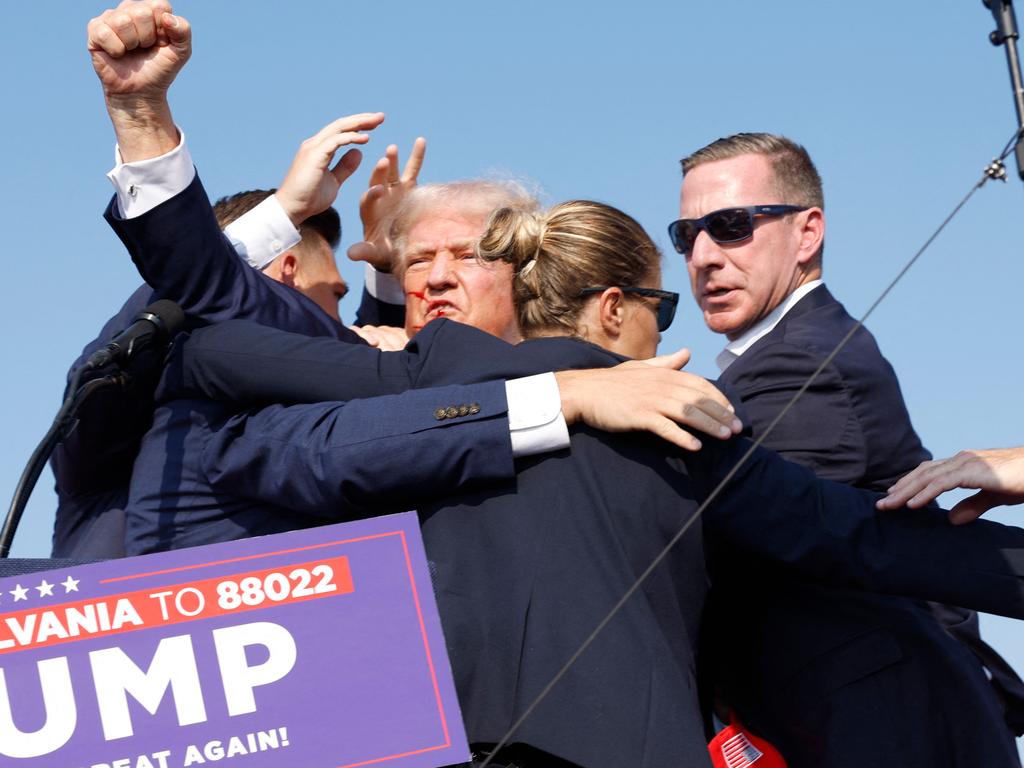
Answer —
736 747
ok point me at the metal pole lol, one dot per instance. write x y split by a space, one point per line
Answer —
1006 34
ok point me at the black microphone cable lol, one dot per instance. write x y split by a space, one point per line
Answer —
156 324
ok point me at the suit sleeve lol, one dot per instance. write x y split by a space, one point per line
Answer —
775 509
247 364
183 256
350 459
180 251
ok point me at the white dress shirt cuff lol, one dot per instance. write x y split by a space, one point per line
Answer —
145 184
535 415
383 286
262 234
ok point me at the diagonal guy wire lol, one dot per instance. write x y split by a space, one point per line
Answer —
743 459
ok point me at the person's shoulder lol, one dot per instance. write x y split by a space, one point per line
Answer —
572 352
819 323
446 334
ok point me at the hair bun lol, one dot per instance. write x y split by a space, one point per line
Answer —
514 236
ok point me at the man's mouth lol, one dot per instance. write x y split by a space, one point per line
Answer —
437 309
715 293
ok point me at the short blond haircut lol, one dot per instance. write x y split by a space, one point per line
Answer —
796 177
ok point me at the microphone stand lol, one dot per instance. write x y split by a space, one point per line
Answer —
1006 34
157 323
62 424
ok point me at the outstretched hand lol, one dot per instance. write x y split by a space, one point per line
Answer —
379 202
312 183
648 395
998 474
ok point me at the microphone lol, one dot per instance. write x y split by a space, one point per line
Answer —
156 324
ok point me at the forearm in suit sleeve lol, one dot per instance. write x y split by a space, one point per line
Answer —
180 251
831 532
244 363
351 459
182 254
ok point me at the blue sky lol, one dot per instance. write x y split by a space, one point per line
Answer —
901 105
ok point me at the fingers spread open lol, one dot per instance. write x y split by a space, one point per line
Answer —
415 161
346 165
391 153
359 122
379 174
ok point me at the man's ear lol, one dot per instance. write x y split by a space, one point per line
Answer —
289 268
812 234
612 312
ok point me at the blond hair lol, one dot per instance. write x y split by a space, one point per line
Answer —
559 252
471 198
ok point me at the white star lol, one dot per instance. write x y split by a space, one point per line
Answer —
70 585
45 588
20 593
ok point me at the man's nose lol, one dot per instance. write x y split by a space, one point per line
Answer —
442 270
705 252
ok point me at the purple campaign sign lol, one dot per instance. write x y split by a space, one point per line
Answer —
314 649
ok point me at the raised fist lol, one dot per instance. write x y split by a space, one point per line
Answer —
138 48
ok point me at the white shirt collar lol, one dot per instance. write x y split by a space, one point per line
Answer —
763 327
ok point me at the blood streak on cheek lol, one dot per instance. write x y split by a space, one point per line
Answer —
419 295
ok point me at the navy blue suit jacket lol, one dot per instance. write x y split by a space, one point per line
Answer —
838 678
181 494
183 256
206 473
525 568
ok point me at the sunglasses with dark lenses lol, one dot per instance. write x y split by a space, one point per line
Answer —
728 225
667 301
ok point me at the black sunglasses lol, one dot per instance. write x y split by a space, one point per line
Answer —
728 225
667 301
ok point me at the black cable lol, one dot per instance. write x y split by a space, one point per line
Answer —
989 173
64 418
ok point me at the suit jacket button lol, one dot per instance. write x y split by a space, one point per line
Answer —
463 410
474 408
439 413
451 412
